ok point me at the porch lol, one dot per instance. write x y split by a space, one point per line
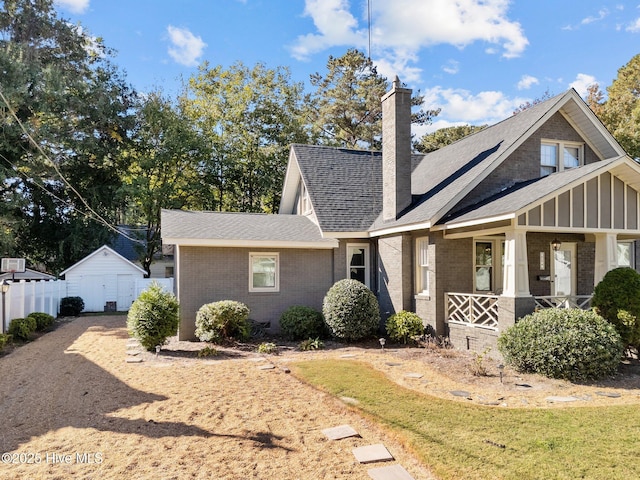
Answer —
482 311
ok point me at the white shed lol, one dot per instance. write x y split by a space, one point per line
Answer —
105 281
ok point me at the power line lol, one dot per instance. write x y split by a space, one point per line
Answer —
96 216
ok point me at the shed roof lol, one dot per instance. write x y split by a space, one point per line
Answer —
103 248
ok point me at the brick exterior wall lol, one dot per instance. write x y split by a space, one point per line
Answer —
395 274
451 270
211 274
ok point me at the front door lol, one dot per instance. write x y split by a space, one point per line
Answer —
563 270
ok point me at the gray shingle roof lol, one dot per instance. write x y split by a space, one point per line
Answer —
443 174
345 186
523 195
226 226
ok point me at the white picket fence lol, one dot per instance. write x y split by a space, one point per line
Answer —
24 297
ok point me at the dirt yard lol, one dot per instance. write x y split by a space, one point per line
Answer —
72 407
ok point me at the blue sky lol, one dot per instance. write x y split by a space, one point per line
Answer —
477 60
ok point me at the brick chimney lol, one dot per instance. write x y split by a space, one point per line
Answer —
396 151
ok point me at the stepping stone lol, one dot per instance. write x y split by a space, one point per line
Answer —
557 399
609 394
133 353
134 360
393 364
340 432
349 400
460 393
414 375
372 453
256 359
348 355
392 472
523 385
268 366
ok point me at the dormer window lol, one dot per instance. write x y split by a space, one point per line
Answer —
559 156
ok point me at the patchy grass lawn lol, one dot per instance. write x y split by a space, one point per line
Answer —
456 440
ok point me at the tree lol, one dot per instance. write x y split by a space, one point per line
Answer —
524 106
621 111
163 170
345 109
444 136
65 117
249 118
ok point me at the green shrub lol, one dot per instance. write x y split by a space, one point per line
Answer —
222 320
4 339
43 320
404 325
153 317
572 344
22 328
208 352
351 310
298 322
268 348
71 306
311 344
617 299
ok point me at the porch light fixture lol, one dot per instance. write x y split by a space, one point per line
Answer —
382 342
555 244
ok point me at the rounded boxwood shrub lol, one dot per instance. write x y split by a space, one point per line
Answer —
71 306
22 328
299 323
153 317
403 325
617 299
43 320
571 344
222 320
351 310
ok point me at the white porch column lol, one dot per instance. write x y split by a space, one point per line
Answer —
606 255
516 265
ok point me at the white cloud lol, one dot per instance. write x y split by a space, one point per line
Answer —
634 27
602 14
74 6
402 27
186 47
461 106
451 67
582 83
527 81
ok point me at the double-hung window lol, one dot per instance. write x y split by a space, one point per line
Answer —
358 262
264 272
558 156
422 266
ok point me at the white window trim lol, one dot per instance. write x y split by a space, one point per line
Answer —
421 256
497 249
367 262
560 145
275 288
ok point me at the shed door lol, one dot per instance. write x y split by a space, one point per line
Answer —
126 286
92 291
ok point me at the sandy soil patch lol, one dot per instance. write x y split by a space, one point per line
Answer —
72 408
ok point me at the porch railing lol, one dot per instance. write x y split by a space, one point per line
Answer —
564 301
472 309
